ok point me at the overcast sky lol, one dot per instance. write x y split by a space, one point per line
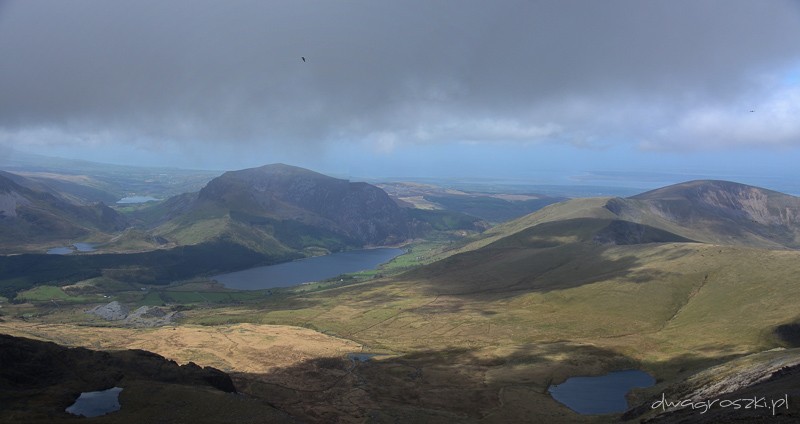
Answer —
392 88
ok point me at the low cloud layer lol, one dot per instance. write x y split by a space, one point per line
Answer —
672 75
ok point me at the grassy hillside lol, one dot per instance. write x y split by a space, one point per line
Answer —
479 336
655 301
563 288
32 217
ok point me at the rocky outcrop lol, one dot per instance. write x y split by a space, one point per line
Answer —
152 316
113 311
43 377
31 363
145 316
768 382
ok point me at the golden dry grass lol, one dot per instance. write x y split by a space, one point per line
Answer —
241 348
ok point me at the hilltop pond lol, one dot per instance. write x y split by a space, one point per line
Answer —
95 404
604 394
307 270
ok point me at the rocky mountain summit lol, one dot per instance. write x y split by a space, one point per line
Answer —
356 210
717 212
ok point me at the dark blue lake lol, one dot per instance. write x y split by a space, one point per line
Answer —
95 404
604 394
307 270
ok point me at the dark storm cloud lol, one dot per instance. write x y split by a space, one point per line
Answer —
395 71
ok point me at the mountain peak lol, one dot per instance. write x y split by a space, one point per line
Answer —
281 169
358 211
696 188
722 211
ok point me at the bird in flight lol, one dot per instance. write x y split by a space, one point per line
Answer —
303 57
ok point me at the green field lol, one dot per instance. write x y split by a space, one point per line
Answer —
54 294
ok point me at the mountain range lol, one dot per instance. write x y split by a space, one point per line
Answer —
244 218
694 283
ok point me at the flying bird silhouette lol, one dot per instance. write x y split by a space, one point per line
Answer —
303 57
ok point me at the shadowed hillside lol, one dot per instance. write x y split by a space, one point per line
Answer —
38 380
33 214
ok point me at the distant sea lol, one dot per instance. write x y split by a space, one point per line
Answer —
600 183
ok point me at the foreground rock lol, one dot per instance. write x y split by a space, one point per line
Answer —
38 380
763 387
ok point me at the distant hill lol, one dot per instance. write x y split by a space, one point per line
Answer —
717 212
356 210
280 208
93 182
79 189
31 213
565 244
493 207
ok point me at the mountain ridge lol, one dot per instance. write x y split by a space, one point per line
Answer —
720 212
30 213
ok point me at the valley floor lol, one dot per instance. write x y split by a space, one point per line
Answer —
476 337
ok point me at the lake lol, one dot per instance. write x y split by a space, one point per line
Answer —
307 270
80 247
136 199
95 404
604 394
